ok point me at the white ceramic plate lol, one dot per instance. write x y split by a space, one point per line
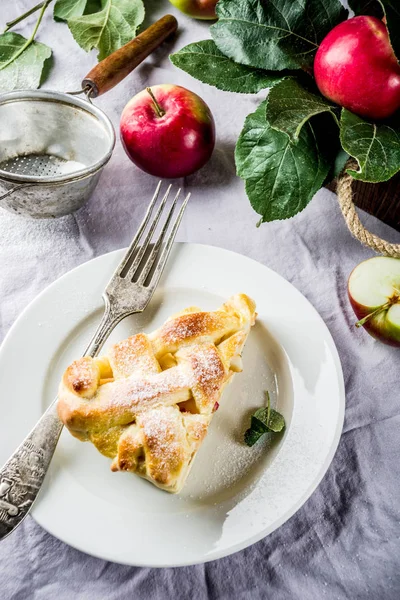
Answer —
235 495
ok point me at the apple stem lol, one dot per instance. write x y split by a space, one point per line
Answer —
160 112
375 312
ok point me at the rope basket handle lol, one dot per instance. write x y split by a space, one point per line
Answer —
357 229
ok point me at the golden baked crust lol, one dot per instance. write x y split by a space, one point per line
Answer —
148 403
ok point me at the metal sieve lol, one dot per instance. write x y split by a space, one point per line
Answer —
53 146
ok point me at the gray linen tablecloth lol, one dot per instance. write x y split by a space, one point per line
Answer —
344 542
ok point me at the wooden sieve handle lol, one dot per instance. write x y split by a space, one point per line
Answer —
113 69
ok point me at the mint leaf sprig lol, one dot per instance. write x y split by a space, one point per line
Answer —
264 420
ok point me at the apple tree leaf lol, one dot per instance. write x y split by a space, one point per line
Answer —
66 9
291 105
204 61
110 28
21 62
274 34
376 146
280 177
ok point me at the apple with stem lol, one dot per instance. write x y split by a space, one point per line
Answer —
355 66
168 131
374 292
199 9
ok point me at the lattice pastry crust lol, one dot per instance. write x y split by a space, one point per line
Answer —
148 403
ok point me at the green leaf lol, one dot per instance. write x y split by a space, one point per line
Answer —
204 61
274 35
66 9
267 419
21 68
276 421
259 420
264 420
110 28
375 146
251 436
290 106
281 178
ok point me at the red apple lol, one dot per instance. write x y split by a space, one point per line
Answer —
374 292
355 66
199 9
168 131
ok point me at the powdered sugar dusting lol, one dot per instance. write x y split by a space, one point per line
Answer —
208 370
136 394
133 355
165 440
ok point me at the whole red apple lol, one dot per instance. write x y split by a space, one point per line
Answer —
355 66
199 9
374 292
168 131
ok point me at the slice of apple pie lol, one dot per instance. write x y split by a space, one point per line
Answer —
148 403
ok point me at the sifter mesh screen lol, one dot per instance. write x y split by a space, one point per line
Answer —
40 165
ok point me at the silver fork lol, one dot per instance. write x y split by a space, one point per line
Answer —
129 291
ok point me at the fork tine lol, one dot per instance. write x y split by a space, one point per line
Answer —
138 258
132 247
150 261
166 252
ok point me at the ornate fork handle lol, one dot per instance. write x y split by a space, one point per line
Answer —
23 474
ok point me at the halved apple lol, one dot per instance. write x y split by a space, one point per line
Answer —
374 292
